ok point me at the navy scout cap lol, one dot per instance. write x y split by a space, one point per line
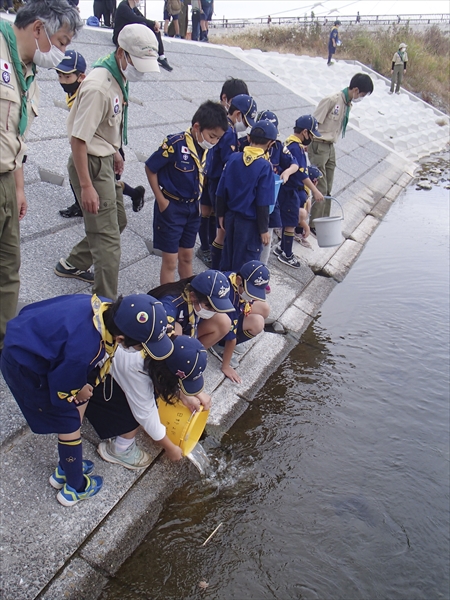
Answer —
247 106
143 318
216 287
310 123
255 277
72 61
268 115
314 172
188 362
265 129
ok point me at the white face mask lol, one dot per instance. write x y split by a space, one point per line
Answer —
131 349
204 143
203 313
246 297
240 127
356 100
50 59
132 74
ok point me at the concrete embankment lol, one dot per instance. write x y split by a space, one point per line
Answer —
52 552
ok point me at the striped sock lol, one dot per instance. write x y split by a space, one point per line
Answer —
216 255
71 462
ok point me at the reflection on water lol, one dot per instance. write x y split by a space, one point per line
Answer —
335 483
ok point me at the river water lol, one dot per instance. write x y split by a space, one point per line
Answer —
335 482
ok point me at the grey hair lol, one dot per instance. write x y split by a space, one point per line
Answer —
54 14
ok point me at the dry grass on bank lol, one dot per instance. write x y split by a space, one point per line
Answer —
428 72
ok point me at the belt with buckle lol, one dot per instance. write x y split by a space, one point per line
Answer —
169 196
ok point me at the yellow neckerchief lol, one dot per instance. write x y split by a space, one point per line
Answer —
70 99
98 308
200 162
251 154
191 313
247 309
293 139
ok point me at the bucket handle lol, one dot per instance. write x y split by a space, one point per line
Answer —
330 198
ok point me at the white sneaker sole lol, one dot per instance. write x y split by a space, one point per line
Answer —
102 450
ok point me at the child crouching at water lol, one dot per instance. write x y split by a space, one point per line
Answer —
250 311
198 306
134 383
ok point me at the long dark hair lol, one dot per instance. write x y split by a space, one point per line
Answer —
165 383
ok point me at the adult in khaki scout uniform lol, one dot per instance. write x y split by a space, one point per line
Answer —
332 114
399 61
97 125
39 36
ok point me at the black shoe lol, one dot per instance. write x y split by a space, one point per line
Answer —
164 64
138 198
71 211
313 231
64 269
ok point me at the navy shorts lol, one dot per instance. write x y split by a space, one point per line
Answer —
289 201
176 227
168 16
32 394
205 199
213 184
275 217
207 11
242 242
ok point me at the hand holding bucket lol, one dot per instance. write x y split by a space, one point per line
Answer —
329 229
183 427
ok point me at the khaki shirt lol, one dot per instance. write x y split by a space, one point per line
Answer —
330 114
12 145
397 60
96 115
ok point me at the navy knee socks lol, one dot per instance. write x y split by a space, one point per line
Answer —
71 462
216 255
203 233
287 242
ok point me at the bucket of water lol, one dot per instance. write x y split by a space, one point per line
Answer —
183 427
278 184
329 229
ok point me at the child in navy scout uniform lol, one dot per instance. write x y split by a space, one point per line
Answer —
245 192
198 306
176 173
208 230
292 194
303 230
248 295
53 347
241 114
284 165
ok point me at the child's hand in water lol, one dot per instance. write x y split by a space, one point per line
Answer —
174 453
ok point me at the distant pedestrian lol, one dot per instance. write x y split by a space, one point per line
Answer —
206 16
358 18
269 20
333 41
399 61
172 9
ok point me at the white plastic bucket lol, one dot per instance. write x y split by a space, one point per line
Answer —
329 229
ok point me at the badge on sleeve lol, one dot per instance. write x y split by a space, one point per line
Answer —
185 150
6 71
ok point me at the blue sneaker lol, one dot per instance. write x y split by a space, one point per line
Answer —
68 496
58 477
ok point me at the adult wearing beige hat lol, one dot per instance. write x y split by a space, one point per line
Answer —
399 61
97 127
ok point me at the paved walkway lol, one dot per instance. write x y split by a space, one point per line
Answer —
52 552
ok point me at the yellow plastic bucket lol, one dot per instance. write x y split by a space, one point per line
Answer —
183 428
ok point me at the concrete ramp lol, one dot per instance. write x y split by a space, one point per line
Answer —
51 552
405 124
